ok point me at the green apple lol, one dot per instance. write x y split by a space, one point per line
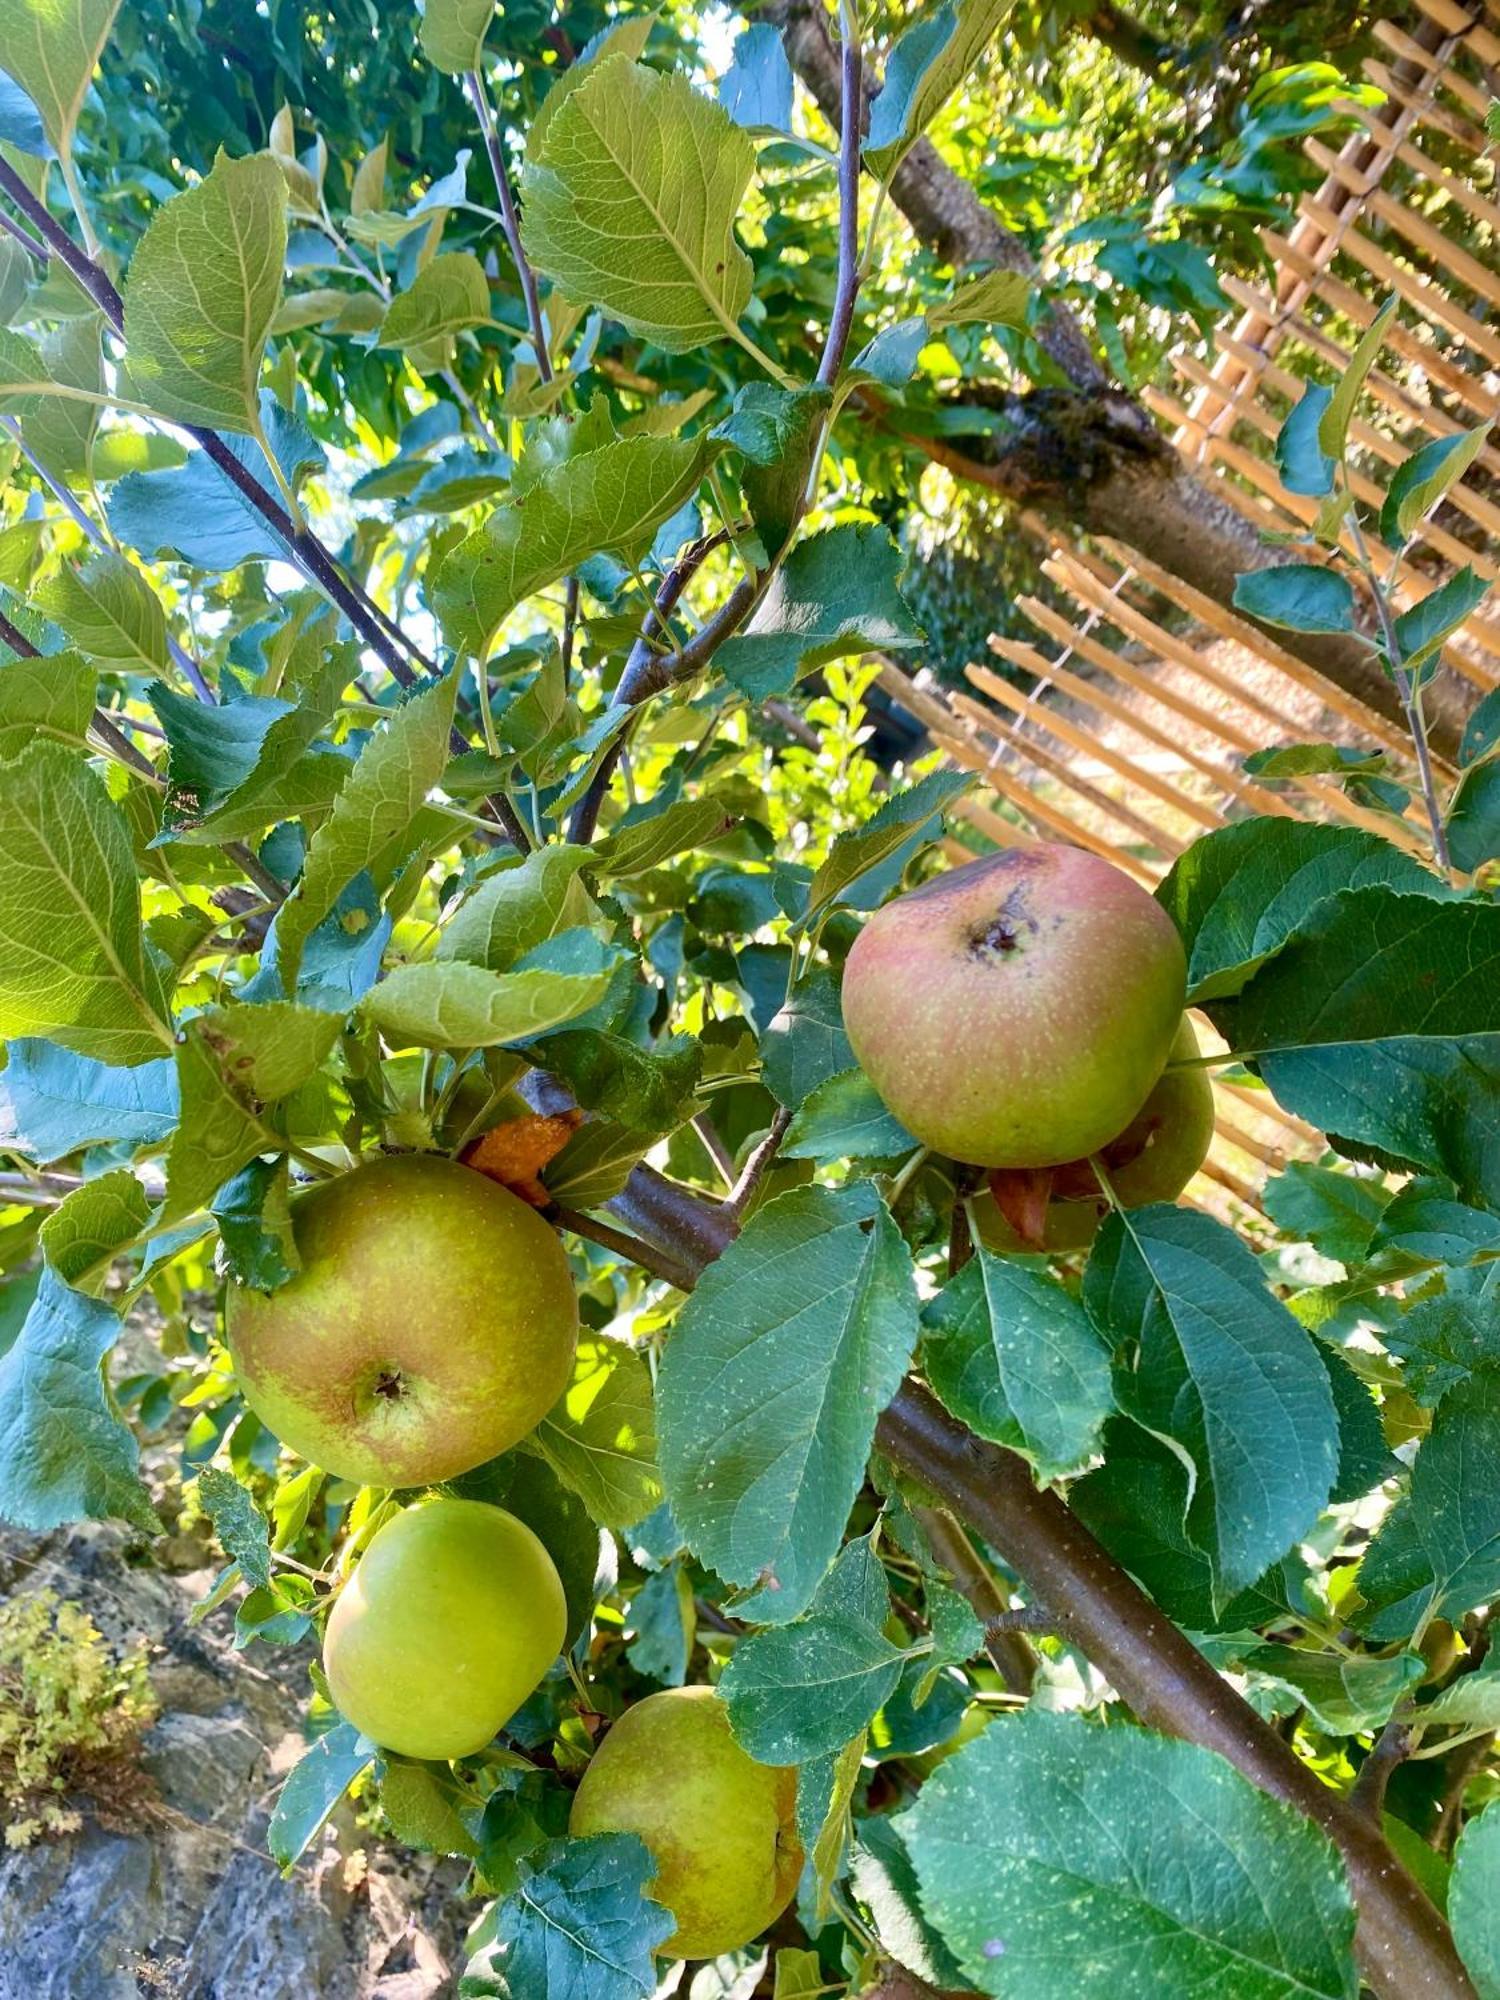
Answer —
1153 1159
451 1617
1015 1012
721 1828
431 1326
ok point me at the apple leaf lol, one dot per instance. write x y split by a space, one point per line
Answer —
782 1359
239 1524
374 811
202 291
1300 459
844 1119
1474 1901
1205 1883
579 1922
1425 1220
64 1453
925 67
663 1619
447 296
1438 1554
1380 1022
109 611
51 48
903 823
91 1226
73 965
600 1437
608 501
53 1102
233 1062
52 696
448 1004
629 199
800 1691
314 1786
20 121
514 910
641 845
804 1043
837 593
1211 1359
1419 482
1016 1357
1238 895
1304 597
453 33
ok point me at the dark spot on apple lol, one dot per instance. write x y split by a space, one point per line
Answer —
1003 933
390 1385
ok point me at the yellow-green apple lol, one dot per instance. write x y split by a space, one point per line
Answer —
451 1617
1015 1012
1153 1159
721 1828
431 1326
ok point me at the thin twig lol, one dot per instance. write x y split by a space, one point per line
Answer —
510 222
758 1165
851 119
1392 1747
1005 1643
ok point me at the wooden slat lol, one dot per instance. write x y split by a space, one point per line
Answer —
1437 116
1330 796
1219 619
1066 731
1420 233
1353 306
1424 293
1464 192
1456 552
1444 76
1055 768
1221 774
1459 22
1414 415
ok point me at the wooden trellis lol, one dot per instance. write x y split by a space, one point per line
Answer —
1125 724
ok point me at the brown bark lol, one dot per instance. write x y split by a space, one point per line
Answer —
1091 455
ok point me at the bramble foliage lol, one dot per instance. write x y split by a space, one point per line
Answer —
435 608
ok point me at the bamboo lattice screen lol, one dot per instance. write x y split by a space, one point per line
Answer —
1139 700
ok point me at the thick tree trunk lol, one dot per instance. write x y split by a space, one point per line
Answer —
1092 456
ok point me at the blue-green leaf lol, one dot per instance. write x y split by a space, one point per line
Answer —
1212 1360
1304 597
314 1786
1204 1885
781 1361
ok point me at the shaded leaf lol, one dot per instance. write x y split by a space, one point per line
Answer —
781 1361
1215 1362
837 593
1016 1358
64 1453
239 1524
314 1786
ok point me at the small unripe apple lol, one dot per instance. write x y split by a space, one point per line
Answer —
431 1326
1015 1012
721 1828
1153 1159
451 1617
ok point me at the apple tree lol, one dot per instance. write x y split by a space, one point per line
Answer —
675 1288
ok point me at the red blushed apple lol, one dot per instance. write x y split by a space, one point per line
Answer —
1153 1159
431 1326
1016 1012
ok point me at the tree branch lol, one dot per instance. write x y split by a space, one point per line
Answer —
306 551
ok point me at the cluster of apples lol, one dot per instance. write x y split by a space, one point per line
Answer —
1018 1014
430 1326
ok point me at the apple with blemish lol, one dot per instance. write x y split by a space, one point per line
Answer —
1153 1159
431 1326
1016 1011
